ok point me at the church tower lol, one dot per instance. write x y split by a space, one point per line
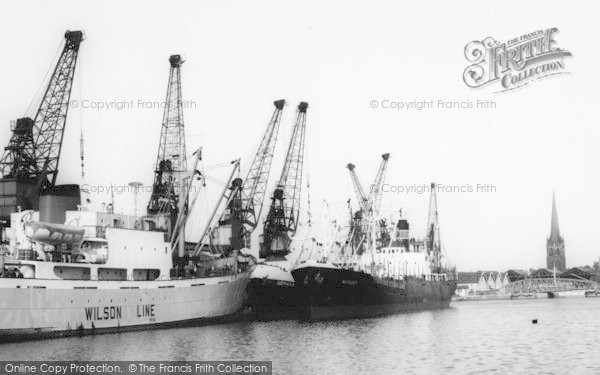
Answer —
555 245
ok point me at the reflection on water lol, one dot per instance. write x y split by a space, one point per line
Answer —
469 337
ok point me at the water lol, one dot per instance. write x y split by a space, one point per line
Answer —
468 338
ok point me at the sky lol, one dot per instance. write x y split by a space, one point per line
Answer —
339 56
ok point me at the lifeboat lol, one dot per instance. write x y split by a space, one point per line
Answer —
54 234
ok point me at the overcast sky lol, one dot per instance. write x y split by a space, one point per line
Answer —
339 56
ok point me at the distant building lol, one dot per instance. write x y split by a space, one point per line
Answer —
514 275
543 273
555 246
480 283
578 273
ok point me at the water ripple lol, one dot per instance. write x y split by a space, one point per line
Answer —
468 338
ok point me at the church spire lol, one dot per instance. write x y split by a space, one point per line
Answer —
555 246
554 229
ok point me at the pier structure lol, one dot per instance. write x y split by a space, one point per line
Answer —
549 285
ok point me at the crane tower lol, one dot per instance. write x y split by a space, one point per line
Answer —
282 219
30 162
171 161
368 213
246 196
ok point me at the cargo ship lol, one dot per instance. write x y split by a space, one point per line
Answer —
368 280
394 279
331 291
106 272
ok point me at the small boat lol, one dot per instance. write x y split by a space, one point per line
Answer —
523 295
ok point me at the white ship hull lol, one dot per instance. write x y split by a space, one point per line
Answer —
35 308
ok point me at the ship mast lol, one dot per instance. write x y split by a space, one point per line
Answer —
434 246
185 206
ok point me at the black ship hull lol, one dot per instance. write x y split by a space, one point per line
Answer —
271 300
328 293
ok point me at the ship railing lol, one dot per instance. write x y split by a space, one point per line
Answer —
99 231
426 277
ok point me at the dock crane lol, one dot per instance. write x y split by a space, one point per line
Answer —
376 188
30 162
168 208
369 206
363 200
282 219
245 197
171 160
358 223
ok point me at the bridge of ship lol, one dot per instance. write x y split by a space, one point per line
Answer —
549 285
